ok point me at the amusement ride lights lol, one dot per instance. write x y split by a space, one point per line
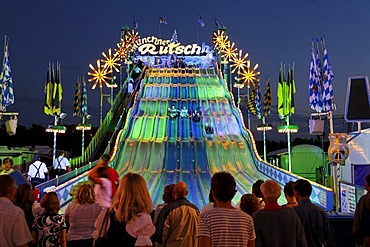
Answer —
104 74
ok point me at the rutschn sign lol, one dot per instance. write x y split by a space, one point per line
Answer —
155 46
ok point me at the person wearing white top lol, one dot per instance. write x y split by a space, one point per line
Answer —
37 171
61 164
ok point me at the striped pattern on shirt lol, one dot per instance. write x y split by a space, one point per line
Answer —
226 227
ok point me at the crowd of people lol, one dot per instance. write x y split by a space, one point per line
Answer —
108 210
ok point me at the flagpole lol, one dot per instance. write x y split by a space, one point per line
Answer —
55 139
288 140
198 34
264 138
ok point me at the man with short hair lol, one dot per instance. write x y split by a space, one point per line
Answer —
13 225
177 222
225 225
37 171
313 218
276 225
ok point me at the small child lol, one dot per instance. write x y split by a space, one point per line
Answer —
49 229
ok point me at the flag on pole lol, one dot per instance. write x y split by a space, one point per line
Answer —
314 88
251 105
77 99
217 24
57 92
48 90
268 98
84 111
136 25
291 91
281 93
6 81
162 20
328 92
258 101
201 22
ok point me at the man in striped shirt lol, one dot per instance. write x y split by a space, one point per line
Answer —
225 225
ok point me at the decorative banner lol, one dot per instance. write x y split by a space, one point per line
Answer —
338 150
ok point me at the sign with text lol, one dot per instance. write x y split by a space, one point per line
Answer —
158 47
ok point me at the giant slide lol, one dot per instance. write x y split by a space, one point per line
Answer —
166 150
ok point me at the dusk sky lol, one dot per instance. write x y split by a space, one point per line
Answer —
77 32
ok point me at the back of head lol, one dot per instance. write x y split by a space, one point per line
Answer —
367 179
37 157
23 196
105 157
102 171
256 188
60 153
249 203
289 188
181 190
168 195
303 187
50 202
7 185
85 194
223 186
132 197
271 190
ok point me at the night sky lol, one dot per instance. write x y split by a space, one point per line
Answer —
77 32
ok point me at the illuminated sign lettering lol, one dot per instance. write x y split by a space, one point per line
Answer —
157 47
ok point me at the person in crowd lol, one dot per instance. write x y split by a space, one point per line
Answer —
177 223
168 197
129 219
11 215
112 173
314 219
211 204
49 229
37 171
276 225
80 216
289 195
256 190
225 225
61 164
7 166
24 199
361 223
103 187
249 204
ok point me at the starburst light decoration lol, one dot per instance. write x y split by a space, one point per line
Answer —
230 52
131 38
249 76
99 75
112 61
239 62
220 40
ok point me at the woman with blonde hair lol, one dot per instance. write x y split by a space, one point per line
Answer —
128 219
80 216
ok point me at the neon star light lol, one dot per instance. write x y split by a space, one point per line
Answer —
239 62
220 40
99 75
249 76
230 52
111 61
